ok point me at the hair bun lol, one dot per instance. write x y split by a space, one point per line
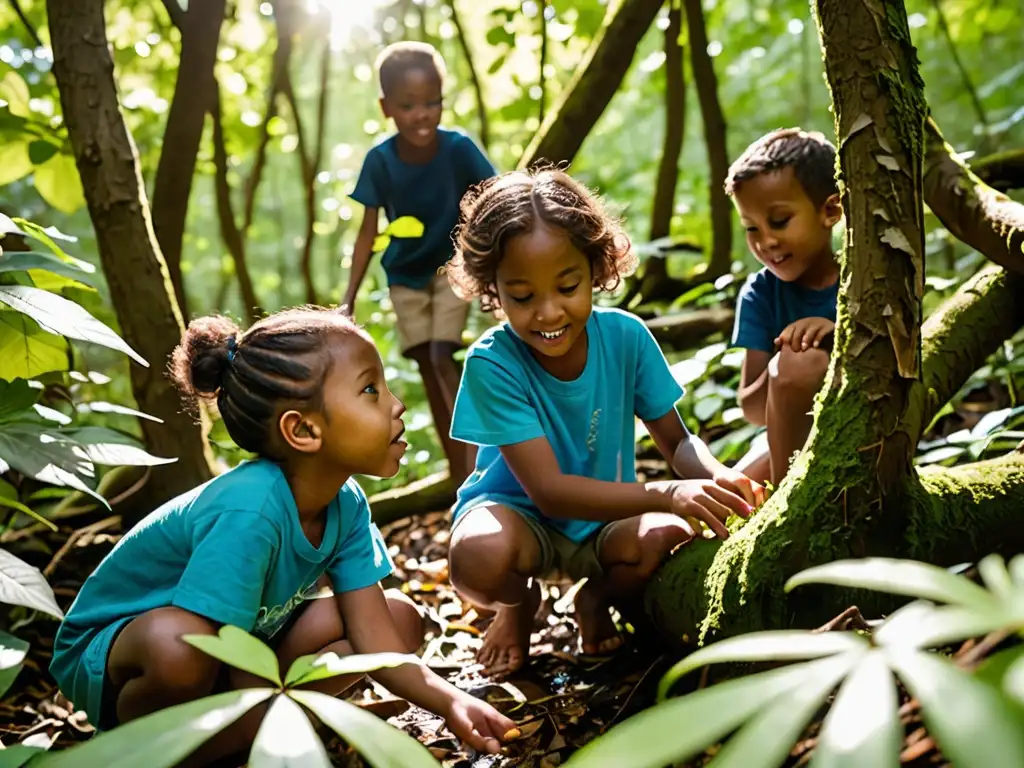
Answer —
201 361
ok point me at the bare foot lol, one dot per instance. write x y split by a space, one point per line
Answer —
598 634
506 646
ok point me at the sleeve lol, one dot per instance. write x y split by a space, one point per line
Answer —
474 162
656 390
362 558
228 568
754 317
493 407
369 189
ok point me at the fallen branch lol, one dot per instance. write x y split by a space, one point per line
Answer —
686 330
433 493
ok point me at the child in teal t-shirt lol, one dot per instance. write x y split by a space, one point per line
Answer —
305 390
550 397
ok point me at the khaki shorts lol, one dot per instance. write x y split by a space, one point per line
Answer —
560 555
433 313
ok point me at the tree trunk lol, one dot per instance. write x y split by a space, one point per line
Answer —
597 79
193 94
714 136
474 76
135 270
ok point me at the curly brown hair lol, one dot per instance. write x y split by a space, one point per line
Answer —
512 204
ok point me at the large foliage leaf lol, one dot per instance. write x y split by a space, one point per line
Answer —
12 654
286 739
14 90
18 755
15 162
21 261
65 318
47 455
112 448
16 397
26 350
238 648
381 745
59 184
21 584
162 739
308 669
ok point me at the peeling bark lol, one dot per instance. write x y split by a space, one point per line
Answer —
136 274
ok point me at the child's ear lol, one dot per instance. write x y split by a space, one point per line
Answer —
832 210
384 107
301 433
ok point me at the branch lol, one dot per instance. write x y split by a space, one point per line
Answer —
1002 171
16 5
542 81
282 60
431 494
474 76
686 329
175 11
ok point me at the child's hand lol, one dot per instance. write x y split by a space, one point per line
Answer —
477 723
706 501
735 481
806 333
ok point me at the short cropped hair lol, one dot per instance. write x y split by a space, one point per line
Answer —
811 156
399 58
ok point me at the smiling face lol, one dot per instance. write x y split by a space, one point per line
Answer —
544 286
414 103
786 231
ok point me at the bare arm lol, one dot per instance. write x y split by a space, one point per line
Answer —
685 453
753 393
361 253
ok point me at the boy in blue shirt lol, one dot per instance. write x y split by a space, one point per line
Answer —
785 191
422 171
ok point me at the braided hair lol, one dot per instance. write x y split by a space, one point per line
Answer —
811 156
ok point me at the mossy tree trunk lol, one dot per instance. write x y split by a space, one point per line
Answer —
854 491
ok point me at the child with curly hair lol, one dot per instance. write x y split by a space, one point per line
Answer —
550 398
305 390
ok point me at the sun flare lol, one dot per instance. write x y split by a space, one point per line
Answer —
349 18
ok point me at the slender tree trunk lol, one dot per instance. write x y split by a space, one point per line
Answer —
714 136
474 76
193 94
675 129
597 79
542 80
134 267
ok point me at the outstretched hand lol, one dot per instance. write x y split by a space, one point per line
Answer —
477 723
734 480
707 501
805 333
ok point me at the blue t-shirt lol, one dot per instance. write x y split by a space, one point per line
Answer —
429 192
506 397
766 305
232 550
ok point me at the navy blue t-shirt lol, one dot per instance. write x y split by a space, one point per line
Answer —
766 305
429 192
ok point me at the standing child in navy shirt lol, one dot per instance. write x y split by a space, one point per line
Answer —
304 389
785 191
551 399
422 171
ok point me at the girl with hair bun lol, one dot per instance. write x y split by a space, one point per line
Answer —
304 390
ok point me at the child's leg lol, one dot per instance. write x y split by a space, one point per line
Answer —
493 556
441 407
794 380
462 459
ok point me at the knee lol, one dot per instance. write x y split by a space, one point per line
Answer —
175 666
479 562
798 373
408 619
657 542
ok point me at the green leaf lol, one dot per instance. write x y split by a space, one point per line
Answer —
405 226
898 577
14 90
99 406
12 654
287 740
18 506
26 350
993 669
20 261
47 455
238 648
863 727
16 397
675 730
21 584
15 162
9 227
58 183
957 708
162 739
112 448
307 669
65 318
926 626
18 755
768 738
782 645
995 576
1013 681
380 744
42 150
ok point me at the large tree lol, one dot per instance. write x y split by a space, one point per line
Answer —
854 490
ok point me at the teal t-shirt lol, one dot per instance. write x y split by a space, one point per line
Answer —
430 192
506 397
232 550
767 306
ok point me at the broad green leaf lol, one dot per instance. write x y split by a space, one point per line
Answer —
65 318
898 577
12 654
42 150
675 730
238 648
307 669
862 728
15 162
21 584
688 371
58 183
405 226
47 236
99 406
957 709
18 506
16 397
26 350
162 739
286 739
18 755
14 90
19 261
993 669
782 645
47 455
931 626
768 738
112 448
380 744
1013 682
995 576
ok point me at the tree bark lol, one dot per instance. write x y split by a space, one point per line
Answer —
134 267
194 91
597 79
714 137
474 76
